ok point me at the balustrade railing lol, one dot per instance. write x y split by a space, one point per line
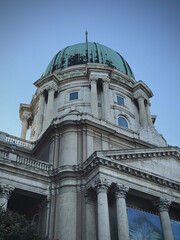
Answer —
34 163
15 140
4 154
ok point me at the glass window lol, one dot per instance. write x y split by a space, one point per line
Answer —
73 96
120 100
122 122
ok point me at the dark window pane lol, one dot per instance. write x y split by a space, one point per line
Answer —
120 100
122 122
73 96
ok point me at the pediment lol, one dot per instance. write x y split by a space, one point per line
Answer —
167 167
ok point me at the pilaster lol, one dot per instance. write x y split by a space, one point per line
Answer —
94 101
142 112
50 103
106 99
40 115
149 114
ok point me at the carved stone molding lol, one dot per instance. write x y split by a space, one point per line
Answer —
121 190
101 185
113 161
162 204
5 191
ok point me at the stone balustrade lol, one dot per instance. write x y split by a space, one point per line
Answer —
33 163
15 140
4 154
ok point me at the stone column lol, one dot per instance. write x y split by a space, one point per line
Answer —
94 100
106 99
40 115
50 105
148 114
163 207
101 186
5 192
122 219
142 112
24 128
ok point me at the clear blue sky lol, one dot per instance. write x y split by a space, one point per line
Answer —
145 32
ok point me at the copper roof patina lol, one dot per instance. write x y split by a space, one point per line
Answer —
88 52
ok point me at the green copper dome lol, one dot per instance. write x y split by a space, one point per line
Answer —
83 53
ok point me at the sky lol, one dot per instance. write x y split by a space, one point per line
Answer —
145 32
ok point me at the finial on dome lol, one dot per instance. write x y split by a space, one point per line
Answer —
86 36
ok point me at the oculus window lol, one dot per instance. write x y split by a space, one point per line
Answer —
73 96
122 122
120 100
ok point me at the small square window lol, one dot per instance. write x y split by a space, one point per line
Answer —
73 96
120 100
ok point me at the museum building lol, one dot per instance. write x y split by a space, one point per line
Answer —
95 167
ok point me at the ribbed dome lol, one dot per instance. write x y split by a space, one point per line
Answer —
83 53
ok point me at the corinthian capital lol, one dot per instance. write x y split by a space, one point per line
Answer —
5 191
93 80
106 80
101 185
121 190
51 87
25 116
162 204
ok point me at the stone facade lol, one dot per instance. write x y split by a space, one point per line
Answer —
82 168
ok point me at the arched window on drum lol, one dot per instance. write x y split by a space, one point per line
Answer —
122 122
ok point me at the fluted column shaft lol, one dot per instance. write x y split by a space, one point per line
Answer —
40 115
106 103
163 206
5 192
142 112
148 115
94 100
122 219
101 186
50 104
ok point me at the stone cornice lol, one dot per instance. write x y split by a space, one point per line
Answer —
24 108
141 89
97 159
42 81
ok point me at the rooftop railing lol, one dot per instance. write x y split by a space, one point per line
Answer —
15 140
33 163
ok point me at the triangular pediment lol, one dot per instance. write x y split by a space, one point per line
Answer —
160 163
165 167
